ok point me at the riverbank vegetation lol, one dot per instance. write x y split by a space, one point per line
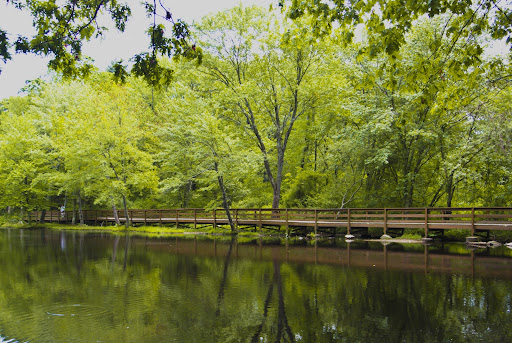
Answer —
274 116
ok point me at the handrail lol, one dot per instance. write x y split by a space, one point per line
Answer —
426 218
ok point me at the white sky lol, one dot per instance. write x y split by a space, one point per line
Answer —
114 46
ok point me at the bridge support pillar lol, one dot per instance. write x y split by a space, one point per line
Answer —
287 226
385 221
316 222
259 221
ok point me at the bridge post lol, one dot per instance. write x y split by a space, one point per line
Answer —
472 221
316 221
348 222
259 223
286 222
177 216
385 221
214 218
426 222
236 219
195 218
145 218
160 216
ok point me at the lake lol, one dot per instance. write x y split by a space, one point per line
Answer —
58 286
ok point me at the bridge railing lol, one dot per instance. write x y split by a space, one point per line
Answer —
469 218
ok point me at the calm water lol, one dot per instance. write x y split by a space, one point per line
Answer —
92 287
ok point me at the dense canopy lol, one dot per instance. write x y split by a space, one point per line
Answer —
278 114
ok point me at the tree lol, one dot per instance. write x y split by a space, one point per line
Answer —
62 27
27 159
262 86
391 20
196 150
426 119
86 142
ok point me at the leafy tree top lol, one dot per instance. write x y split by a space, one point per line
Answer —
62 27
390 20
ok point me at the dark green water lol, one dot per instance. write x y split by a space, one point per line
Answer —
91 287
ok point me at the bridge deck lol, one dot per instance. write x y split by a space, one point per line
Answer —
472 219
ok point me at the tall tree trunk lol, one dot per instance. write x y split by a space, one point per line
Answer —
80 210
126 214
450 190
276 196
22 213
73 220
225 202
42 216
116 216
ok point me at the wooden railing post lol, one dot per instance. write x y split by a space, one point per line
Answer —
472 221
259 223
145 218
348 221
287 222
177 216
426 222
385 221
160 216
316 221
214 218
236 219
195 218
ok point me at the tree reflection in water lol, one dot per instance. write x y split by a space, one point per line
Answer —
79 287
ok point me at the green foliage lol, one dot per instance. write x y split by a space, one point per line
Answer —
276 115
62 28
390 21
302 188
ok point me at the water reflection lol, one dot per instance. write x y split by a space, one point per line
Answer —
81 287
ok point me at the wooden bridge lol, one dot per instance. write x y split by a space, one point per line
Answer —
468 218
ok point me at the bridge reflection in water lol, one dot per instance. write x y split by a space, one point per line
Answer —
451 258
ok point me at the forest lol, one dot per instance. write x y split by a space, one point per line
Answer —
272 114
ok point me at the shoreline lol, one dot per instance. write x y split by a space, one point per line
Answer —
162 231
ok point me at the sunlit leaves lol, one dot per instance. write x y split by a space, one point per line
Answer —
61 29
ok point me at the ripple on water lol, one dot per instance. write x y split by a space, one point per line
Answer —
76 310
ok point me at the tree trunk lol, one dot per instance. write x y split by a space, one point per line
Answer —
225 202
42 216
80 210
116 216
276 195
126 214
73 220
450 190
22 213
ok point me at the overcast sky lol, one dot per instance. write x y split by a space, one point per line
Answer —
114 46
